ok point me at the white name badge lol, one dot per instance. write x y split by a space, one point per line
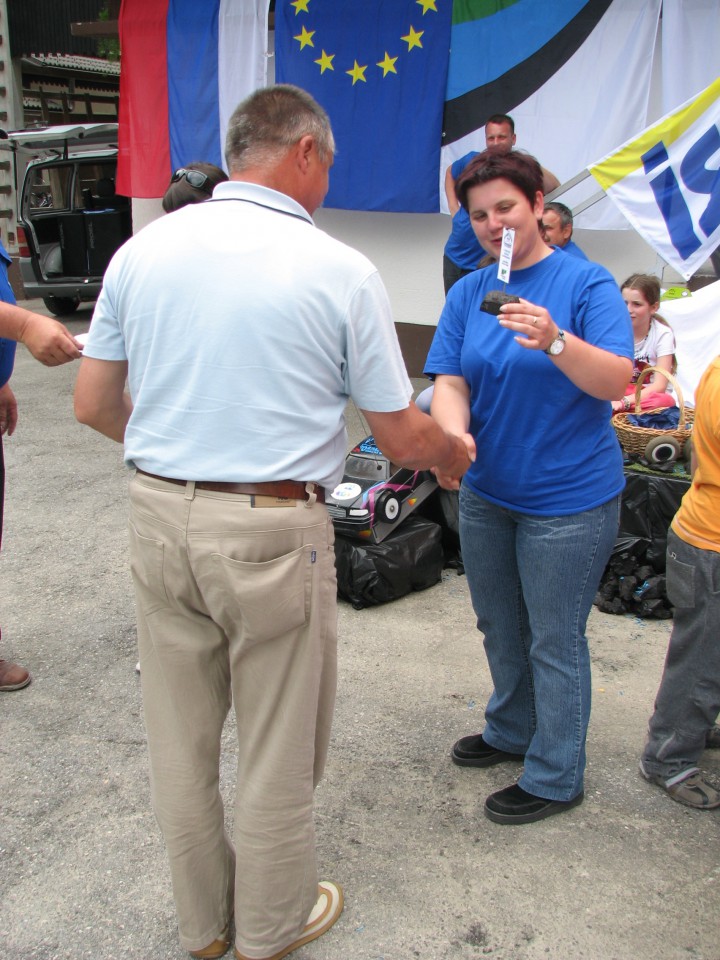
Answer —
506 252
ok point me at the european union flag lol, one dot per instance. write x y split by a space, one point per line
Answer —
379 68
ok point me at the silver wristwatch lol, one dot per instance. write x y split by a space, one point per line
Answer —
558 344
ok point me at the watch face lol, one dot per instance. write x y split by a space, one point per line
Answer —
558 344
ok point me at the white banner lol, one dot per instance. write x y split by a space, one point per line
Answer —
694 321
667 182
690 33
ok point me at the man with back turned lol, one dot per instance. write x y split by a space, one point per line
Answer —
243 330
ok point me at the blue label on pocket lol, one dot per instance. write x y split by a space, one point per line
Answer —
313 556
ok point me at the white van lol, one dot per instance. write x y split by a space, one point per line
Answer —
70 220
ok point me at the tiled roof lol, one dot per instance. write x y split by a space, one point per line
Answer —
67 61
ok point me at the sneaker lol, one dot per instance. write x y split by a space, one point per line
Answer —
474 752
13 676
326 911
692 790
712 738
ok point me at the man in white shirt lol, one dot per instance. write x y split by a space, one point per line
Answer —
242 330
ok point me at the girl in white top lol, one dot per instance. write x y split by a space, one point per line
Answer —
654 345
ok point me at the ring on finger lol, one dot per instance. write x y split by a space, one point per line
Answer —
535 320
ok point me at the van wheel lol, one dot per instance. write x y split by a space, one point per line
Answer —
61 305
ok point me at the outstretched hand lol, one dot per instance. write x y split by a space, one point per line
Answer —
49 341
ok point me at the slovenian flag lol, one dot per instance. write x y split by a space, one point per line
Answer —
185 67
379 68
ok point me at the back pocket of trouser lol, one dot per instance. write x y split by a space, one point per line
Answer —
147 561
265 600
680 579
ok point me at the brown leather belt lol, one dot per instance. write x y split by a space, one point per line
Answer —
285 489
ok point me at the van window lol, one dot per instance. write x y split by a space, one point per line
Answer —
50 188
94 183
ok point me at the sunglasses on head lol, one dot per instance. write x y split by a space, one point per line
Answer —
194 177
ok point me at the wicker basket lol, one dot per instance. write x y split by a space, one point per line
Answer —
634 440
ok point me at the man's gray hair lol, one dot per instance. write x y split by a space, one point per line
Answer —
270 121
565 213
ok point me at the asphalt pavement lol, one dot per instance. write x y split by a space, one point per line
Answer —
629 875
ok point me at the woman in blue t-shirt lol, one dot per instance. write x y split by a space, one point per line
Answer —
539 507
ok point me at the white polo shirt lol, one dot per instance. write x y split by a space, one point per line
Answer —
246 329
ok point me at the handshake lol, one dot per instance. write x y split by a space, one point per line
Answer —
450 470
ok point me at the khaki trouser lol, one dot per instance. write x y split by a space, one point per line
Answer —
235 601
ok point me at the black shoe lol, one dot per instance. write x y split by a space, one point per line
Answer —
515 805
474 752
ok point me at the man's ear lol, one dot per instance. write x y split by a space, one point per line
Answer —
305 149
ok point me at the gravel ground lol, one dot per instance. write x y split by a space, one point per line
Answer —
629 875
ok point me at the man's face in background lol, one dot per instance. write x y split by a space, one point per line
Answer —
499 137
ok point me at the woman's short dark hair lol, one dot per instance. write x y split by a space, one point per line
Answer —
181 192
521 169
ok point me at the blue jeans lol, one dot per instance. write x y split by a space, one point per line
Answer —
688 700
532 582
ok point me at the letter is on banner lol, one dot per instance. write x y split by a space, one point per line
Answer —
696 177
671 202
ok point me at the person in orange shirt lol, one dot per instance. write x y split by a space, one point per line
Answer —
688 701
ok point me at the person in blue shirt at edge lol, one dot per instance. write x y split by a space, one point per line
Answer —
51 344
462 251
539 507
557 228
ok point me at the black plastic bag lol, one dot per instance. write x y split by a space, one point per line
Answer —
443 508
649 503
410 558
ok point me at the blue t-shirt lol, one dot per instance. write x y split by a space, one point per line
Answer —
7 347
462 246
544 446
574 250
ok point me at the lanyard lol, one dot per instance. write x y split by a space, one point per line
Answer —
266 206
